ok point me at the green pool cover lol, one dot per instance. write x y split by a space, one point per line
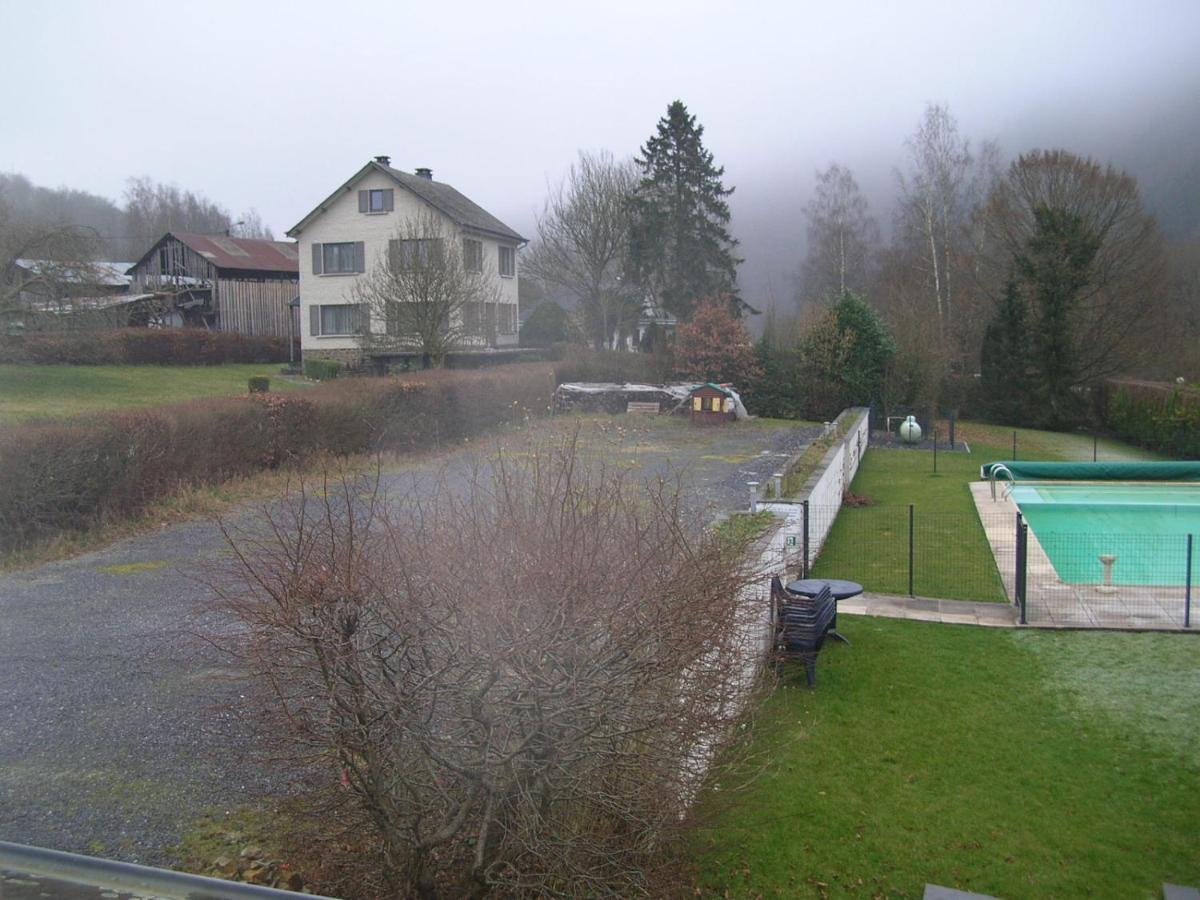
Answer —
1144 525
1096 471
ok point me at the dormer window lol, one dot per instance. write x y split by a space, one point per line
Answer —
376 200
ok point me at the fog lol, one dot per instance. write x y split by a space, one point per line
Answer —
273 105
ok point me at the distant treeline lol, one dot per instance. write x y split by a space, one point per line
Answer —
124 231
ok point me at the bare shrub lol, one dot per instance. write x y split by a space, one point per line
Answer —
69 476
517 675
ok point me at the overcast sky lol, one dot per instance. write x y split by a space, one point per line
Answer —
272 105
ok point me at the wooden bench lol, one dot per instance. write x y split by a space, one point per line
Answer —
802 624
642 408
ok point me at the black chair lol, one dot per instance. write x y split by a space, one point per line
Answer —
801 625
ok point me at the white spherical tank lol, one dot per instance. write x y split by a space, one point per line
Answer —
910 431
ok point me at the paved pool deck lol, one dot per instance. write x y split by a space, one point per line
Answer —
929 609
1052 603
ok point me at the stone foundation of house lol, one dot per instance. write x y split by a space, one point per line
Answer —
350 358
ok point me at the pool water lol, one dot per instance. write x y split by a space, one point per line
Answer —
1144 526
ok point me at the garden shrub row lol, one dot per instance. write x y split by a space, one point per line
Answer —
1161 417
321 369
142 346
69 477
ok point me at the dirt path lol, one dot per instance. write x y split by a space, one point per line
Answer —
118 722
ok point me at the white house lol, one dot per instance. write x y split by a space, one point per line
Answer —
348 234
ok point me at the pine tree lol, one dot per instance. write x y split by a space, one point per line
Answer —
1058 267
1004 361
681 249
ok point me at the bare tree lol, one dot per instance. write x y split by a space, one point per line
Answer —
935 207
43 266
152 209
518 680
1117 310
424 293
251 225
583 239
841 237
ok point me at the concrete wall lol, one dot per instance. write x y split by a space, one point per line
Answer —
833 476
341 221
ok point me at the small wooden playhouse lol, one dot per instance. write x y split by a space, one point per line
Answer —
711 404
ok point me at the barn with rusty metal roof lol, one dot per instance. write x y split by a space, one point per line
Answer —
222 282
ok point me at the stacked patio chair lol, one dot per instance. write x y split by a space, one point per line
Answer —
801 625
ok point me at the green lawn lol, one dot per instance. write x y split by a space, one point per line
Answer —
952 556
1016 764
55 392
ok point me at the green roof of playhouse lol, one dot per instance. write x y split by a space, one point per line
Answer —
716 387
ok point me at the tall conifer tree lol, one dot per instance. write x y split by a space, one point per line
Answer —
681 250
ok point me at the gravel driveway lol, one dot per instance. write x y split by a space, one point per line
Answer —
118 724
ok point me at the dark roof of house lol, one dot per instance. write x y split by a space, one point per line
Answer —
244 254
461 210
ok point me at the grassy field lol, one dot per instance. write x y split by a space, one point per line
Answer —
1016 764
30 393
953 559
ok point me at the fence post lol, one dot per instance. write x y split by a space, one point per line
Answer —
935 449
1014 445
1017 562
804 561
1022 570
1187 592
911 520
1095 445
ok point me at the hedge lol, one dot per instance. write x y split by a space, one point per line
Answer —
580 364
1162 417
142 346
71 476
321 369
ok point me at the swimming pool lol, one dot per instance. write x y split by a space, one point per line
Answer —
1144 525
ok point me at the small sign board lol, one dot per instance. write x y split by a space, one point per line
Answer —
793 540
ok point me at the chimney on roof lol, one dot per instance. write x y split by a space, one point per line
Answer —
384 160
427 174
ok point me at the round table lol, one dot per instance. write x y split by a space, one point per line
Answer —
841 590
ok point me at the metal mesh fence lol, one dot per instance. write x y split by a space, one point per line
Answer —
1132 580
1107 580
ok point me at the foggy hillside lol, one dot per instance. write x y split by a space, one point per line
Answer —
1155 136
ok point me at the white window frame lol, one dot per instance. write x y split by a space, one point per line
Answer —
354 313
473 264
344 248
512 256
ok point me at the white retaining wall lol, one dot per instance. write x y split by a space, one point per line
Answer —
832 478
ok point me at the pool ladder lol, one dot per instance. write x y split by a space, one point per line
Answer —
996 468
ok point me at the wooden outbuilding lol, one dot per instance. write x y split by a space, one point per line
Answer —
224 283
711 404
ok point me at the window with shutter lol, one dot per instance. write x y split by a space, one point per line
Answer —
339 319
317 259
376 200
417 253
314 320
337 258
